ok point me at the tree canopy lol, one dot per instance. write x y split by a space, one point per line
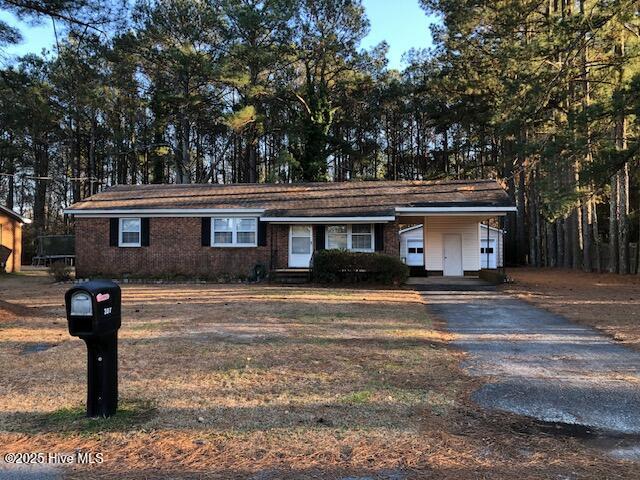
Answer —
542 95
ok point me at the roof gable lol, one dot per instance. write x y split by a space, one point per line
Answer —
11 214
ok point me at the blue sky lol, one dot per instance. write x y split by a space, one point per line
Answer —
402 23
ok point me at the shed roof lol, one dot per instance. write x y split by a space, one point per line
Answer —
337 199
11 214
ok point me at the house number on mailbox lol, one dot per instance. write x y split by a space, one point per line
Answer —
107 311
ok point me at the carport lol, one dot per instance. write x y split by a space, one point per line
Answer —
453 240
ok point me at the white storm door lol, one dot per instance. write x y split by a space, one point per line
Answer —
415 252
452 255
300 246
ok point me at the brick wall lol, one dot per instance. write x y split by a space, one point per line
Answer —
175 249
392 239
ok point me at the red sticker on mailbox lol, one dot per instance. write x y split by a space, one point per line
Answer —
102 297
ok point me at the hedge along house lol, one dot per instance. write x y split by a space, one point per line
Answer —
207 230
11 239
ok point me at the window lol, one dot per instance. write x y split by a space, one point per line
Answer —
337 237
358 238
486 250
130 235
416 250
222 231
300 240
234 232
246 231
361 238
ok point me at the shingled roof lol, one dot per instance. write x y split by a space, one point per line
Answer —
338 199
11 214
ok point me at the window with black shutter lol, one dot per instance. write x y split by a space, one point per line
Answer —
320 237
379 237
206 232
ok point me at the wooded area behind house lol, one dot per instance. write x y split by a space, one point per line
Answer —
541 94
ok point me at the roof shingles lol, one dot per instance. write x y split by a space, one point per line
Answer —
303 200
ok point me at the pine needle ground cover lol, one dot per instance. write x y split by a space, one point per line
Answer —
264 382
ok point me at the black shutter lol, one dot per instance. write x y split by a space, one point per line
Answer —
320 229
262 234
379 236
144 226
206 231
114 227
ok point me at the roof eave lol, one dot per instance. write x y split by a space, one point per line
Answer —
16 216
457 210
159 212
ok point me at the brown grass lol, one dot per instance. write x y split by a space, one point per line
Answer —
608 302
236 381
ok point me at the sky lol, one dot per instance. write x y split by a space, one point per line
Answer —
401 23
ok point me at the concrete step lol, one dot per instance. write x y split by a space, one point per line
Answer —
290 275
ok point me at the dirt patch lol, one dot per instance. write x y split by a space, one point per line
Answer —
610 303
240 381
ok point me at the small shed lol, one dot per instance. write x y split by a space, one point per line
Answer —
11 239
491 245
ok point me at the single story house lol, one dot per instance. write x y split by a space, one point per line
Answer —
205 230
11 239
412 243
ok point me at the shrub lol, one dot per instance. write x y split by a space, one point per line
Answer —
60 271
330 266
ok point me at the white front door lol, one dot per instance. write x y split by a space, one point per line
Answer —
488 254
300 246
452 255
415 252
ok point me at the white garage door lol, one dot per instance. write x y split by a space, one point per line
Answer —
488 253
415 252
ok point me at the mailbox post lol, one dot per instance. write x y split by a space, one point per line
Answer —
94 315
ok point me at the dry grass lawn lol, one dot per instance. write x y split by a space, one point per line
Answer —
265 382
608 302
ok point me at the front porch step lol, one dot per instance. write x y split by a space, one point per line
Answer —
290 275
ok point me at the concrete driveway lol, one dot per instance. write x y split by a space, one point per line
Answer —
541 365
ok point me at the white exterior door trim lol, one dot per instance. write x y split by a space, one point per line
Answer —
452 255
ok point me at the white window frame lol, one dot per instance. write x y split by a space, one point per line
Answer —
350 237
121 242
235 222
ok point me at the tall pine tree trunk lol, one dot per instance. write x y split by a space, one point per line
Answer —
521 217
613 224
41 169
567 241
560 261
623 223
11 170
588 204
623 173
587 228
551 258
597 241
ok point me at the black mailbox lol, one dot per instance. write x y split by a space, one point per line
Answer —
93 308
94 315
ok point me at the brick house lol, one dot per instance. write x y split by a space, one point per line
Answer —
205 230
11 239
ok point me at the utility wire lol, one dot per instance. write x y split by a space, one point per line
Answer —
71 179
